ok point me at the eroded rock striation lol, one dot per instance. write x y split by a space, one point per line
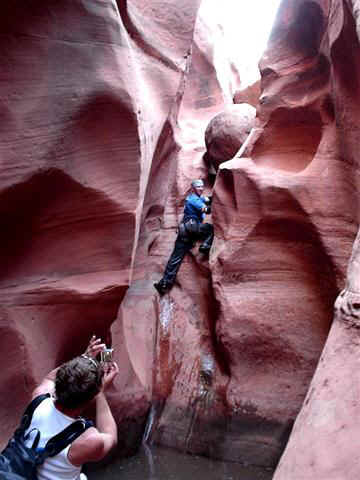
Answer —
238 339
105 109
282 223
86 93
323 441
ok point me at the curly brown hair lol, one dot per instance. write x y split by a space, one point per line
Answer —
78 381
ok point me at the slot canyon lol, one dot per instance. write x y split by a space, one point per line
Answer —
109 110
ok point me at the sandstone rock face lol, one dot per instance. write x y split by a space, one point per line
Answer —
282 226
104 111
77 139
177 363
96 118
232 349
324 438
249 94
62 204
323 442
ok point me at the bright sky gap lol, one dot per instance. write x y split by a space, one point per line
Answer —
247 26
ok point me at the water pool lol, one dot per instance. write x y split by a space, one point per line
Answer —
158 463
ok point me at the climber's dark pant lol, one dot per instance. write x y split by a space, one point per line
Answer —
183 244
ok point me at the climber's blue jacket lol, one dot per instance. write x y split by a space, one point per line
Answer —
193 208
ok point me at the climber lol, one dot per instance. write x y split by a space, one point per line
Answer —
190 230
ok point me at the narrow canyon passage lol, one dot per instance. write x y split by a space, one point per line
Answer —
110 110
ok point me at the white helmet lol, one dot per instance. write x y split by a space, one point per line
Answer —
197 183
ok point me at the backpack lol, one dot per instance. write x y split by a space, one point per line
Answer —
19 462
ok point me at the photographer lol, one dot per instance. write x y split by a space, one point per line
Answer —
73 386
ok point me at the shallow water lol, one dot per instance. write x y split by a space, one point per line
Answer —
158 463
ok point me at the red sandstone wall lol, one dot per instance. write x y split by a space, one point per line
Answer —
86 91
171 341
104 111
324 441
238 340
282 243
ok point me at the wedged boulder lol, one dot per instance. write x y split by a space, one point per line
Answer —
227 132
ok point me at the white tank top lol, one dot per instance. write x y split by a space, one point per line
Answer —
51 421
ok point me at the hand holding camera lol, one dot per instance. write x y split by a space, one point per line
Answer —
106 355
95 347
111 369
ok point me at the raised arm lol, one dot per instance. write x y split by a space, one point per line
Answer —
47 384
105 422
198 203
96 443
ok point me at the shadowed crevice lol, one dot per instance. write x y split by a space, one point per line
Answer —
345 57
52 226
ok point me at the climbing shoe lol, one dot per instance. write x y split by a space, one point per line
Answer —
162 287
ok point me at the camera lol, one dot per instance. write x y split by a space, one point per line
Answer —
106 355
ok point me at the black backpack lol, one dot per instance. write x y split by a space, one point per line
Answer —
19 462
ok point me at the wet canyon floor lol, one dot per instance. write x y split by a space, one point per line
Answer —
158 463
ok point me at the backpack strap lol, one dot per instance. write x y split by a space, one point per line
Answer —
60 441
29 412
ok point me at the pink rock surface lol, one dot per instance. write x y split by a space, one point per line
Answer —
66 255
249 94
104 113
76 145
324 439
278 262
285 225
328 420
181 367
